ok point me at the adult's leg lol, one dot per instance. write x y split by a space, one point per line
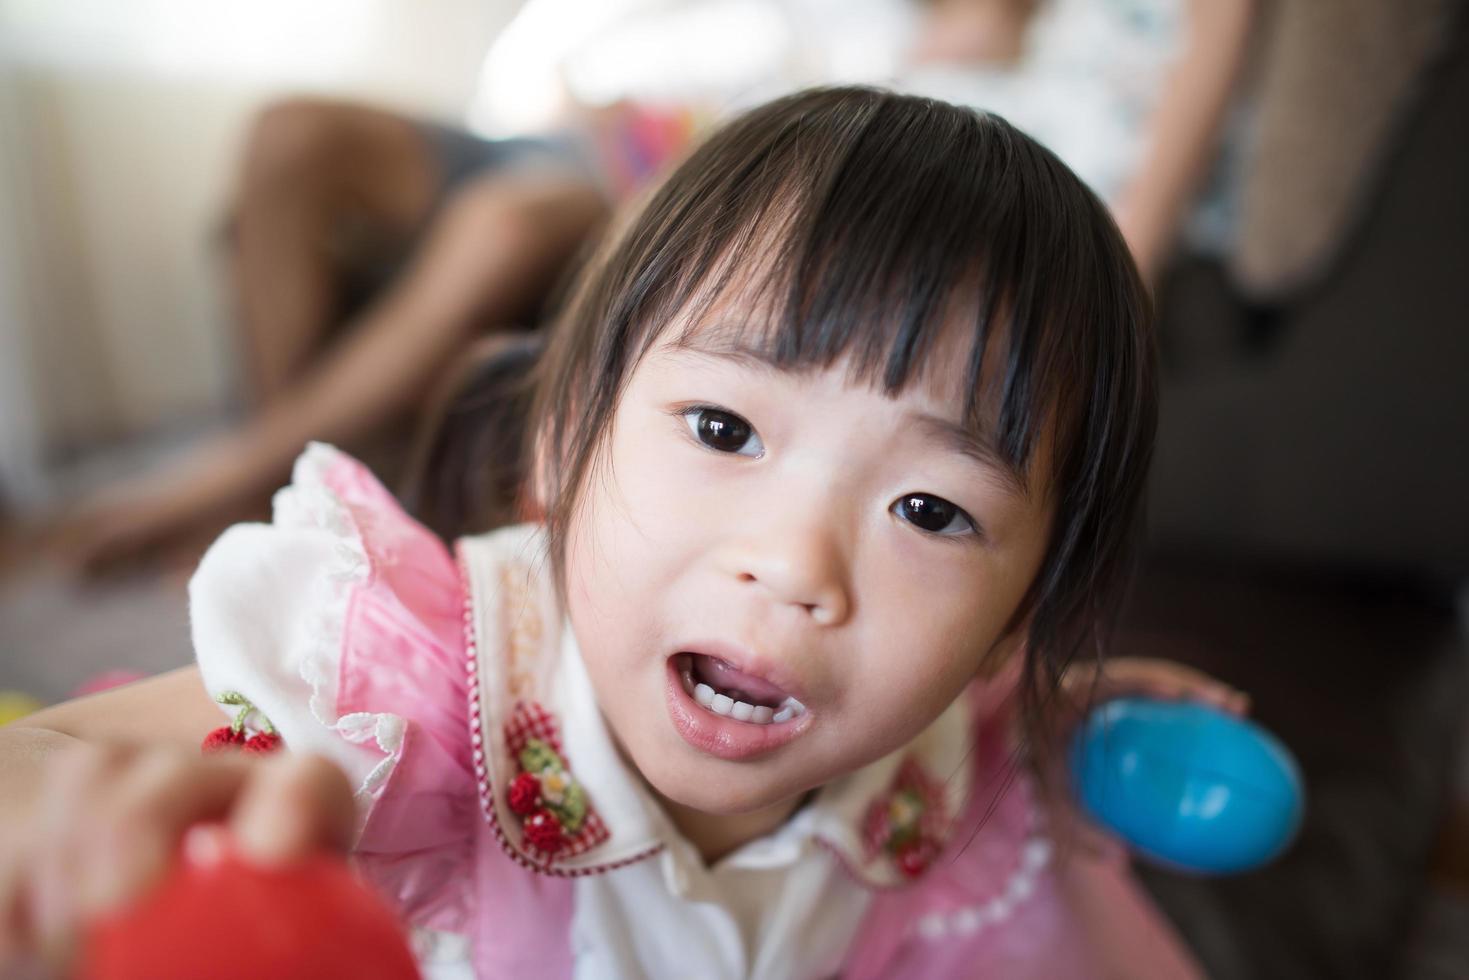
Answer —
311 170
489 257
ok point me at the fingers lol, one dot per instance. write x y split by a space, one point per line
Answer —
1171 681
109 822
132 844
295 805
9 906
51 863
103 832
1155 678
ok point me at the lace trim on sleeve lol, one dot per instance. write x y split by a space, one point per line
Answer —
310 502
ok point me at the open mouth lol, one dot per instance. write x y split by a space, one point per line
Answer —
720 688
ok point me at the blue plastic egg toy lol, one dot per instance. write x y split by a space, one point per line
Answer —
1188 786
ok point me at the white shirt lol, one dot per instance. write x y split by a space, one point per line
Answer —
781 906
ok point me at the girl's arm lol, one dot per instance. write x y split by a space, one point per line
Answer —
1183 127
171 709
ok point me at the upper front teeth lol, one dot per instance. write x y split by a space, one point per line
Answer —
723 704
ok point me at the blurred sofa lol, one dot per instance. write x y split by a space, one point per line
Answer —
1309 543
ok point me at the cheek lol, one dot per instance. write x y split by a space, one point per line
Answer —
624 540
930 632
622 488
600 574
656 498
915 673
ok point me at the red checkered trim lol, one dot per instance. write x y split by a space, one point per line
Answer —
529 720
481 764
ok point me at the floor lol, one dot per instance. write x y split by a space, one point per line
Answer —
1367 683
56 634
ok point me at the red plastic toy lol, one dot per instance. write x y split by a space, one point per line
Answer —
235 921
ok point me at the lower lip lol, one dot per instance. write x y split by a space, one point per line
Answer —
721 736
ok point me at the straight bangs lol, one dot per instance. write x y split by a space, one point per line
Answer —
861 224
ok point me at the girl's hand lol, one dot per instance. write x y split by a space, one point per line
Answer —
1085 684
110 820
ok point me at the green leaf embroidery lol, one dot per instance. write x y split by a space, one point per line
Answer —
537 755
238 725
572 809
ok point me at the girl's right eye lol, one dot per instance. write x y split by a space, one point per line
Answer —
723 431
935 515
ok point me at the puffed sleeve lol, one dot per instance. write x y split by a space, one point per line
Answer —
342 621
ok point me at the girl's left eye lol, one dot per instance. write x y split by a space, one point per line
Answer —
723 431
934 515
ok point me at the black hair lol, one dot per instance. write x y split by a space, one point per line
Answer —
870 218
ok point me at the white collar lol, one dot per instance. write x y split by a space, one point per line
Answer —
885 821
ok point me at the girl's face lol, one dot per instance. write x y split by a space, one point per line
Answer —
780 538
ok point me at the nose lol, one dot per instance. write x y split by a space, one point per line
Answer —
800 567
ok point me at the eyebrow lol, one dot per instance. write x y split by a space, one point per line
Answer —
975 446
723 343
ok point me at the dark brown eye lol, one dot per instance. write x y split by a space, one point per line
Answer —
933 514
723 431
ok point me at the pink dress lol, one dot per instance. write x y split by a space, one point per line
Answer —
502 825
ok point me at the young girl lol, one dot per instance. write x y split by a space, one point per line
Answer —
835 458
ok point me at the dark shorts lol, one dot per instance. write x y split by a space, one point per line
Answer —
463 156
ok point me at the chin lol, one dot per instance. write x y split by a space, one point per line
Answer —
720 788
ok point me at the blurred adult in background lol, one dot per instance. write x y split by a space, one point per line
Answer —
1130 93
370 250
446 237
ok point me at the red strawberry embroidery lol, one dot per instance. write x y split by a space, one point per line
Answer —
906 821
262 743
543 832
555 817
914 858
224 739
525 793
232 737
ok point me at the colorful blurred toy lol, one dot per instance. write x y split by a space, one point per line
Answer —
1188 786
236 921
106 681
14 706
